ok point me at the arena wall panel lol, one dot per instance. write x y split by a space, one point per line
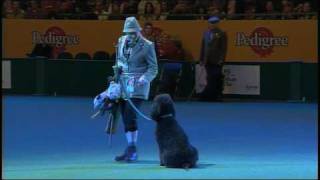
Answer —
294 81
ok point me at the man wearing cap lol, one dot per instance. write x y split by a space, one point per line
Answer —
137 59
212 56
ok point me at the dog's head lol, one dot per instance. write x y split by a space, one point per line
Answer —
162 106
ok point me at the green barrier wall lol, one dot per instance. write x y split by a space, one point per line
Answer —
279 81
23 77
309 81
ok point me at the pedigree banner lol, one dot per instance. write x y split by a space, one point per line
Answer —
252 40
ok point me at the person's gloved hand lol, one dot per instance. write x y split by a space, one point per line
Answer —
142 81
113 91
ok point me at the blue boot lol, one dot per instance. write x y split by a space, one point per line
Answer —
130 154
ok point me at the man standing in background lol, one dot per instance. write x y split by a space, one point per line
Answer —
213 53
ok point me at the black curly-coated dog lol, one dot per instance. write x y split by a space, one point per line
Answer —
174 147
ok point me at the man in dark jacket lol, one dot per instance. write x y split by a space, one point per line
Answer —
213 53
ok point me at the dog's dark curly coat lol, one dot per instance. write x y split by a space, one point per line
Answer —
174 147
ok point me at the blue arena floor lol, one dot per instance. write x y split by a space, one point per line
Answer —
54 137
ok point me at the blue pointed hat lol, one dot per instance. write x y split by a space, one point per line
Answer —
214 19
131 25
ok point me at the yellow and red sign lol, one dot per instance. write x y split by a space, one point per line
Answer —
253 40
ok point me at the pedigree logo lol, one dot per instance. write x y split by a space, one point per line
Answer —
55 36
261 40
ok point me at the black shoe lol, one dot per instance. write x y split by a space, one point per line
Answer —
129 155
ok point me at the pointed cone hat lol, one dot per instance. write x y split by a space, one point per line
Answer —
131 25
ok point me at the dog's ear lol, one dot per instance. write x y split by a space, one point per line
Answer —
159 109
156 109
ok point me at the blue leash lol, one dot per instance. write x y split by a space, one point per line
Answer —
132 104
